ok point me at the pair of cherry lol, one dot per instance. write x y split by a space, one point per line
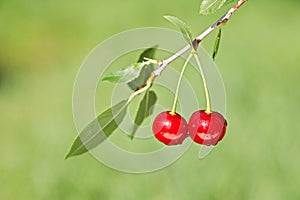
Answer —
206 128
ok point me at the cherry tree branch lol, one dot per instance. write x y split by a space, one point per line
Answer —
163 64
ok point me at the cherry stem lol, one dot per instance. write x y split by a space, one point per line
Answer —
173 111
208 108
163 64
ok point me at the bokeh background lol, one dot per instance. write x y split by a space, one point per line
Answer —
43 44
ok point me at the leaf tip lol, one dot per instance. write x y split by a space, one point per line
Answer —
201 12
70 153
68 156
155 46
104 79
170 18
131 137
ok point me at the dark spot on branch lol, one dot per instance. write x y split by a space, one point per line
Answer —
196 43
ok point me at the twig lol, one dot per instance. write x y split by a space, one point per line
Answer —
163 64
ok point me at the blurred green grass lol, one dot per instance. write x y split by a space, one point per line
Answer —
42 46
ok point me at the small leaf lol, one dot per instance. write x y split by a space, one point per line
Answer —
146 71
148 53
208 7
228 2
125 75
184 29
99 129
141 80
217 44
144 111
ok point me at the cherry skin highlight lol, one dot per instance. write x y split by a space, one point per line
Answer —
169 128
207 129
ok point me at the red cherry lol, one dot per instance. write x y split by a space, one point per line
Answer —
169 128
207 129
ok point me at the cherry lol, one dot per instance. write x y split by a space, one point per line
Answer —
170 128
207 128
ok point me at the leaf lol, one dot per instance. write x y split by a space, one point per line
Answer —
145 71
217 44
144 110
125 75
184 29
137 74
228 2
148 53
99 129
208 7
142 78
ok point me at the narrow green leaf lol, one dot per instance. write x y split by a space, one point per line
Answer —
208 7
146 71
217 44
99 129
184 29
125 75
144 110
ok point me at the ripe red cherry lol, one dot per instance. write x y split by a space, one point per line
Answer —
207 129
169 128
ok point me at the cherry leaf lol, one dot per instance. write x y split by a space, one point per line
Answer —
228 2
208 7
99 129
144 110
148 53
184 29
145 71
137 74
125 75
217 44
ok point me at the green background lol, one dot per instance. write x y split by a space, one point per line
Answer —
43 44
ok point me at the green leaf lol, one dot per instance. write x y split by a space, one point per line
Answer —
228 2
217 44
145 71
144 111
142 78
208 7
125 75
136 75
184 29
99 129
148 53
